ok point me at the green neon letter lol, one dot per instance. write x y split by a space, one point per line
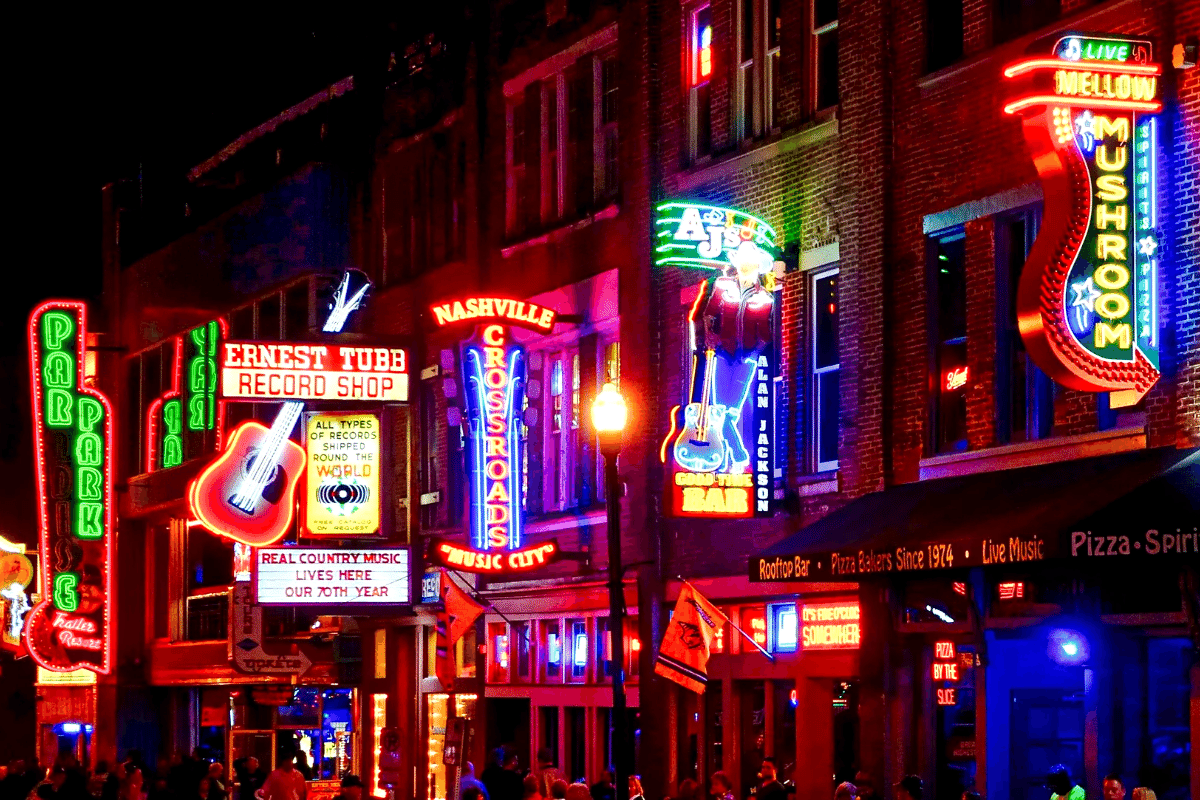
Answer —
170 414
58 408
89 450
58 370
89 483
90 524
57 327
90 412
66 592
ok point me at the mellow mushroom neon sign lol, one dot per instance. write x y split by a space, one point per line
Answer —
1087 305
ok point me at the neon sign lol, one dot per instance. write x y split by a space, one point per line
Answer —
16 573
946 667
341 496
501 309
719 450
695 235
830 626
305 371
465 559
71 628
1088 303
956 378
192 403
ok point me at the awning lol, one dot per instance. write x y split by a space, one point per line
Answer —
1138 504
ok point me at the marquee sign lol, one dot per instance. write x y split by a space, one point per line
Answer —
321 576
72 627
696 235
341 496
464 559
1088 300
192 404
719 449
830 626
310 371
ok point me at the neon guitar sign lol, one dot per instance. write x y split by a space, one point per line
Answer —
248 493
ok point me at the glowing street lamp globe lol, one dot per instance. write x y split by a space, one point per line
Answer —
608 417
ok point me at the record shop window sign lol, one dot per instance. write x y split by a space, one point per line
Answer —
72 627
341 496
1088 301
719 449
494 370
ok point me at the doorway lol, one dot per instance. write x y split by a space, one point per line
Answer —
508 727
1047 729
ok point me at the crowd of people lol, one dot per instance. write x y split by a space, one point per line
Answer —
186 777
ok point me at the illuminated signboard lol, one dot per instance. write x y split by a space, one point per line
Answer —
719 449
341 496
310 371
1088 301
830 626
494 370
321 576
72 628
192 403
466 559
16 573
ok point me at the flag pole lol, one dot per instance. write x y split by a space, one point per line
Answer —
732 624
471 590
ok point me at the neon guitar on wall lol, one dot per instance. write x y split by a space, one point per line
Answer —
248 493
700 446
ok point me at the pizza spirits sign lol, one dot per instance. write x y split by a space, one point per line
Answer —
719 450
1088 299
71 628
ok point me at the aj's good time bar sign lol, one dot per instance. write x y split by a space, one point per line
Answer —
308 371
71 628
342 478
321 576
1088 301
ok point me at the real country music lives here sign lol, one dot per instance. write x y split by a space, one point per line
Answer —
322 576
341 496
310 371
1088 300
1176 543
71 628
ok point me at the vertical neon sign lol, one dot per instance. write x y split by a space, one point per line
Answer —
192 404
71 628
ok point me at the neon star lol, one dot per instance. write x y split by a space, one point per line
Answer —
1085 298
1147 245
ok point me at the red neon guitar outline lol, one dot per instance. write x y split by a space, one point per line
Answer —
248 492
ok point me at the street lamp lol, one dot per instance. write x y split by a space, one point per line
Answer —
608 418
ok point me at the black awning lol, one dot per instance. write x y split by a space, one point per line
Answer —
1143 503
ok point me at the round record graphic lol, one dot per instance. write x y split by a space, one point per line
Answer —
343 499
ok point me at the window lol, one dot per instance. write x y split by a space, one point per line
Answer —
948 326
1024 394
498 652
562 430
552 632
554 91
785 626
1011 18
427 468
606 156
754 622
759 24
774 24
747 79
825 48
943 33
578 649
826 360
523 646
514 162
603 650
700 71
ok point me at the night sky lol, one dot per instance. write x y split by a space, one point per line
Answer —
101 97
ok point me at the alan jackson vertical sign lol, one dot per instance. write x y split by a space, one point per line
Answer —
72 627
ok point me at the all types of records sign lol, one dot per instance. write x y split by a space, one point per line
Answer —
341 493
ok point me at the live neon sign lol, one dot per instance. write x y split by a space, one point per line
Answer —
71 628
1088 301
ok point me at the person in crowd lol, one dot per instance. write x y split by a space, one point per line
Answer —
1142 793
635 788
216 781
35 773
469 781
1059 782
203 789
531 788
99 777
286 782
845 791
558 790
130 787
578 791
688 790
722 786
76 786
866 786
303 766
769 787
1114 787
969 795
352 788
910 787
546 772
250 779
13 787
493 773
55 785
603 789
472 794
502 779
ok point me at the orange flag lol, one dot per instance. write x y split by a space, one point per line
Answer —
456 618
687 644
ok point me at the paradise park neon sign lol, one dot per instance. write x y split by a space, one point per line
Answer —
192 404
1087 304
494 374
72 627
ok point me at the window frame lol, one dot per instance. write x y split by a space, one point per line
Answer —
515 172
601 130
815 373
696 88
553 197
934 414
814 61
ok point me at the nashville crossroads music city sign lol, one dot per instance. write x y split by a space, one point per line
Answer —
1088 300
310 371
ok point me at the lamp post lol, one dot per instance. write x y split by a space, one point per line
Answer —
608 418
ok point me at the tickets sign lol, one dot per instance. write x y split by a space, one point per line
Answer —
309 371
323 576
341 496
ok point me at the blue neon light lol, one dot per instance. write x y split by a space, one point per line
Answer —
579 651
475 422
71 727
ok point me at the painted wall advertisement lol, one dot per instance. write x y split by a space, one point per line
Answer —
341 490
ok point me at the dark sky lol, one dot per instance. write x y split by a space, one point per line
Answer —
90 97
